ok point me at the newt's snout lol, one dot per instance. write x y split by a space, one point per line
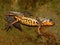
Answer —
48 22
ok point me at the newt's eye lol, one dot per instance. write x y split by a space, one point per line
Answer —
37 22
50 19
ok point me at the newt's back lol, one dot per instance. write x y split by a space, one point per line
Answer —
28 21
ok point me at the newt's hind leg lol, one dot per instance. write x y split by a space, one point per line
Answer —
13 22
9 25
9 20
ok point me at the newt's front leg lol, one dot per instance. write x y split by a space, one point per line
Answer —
38 31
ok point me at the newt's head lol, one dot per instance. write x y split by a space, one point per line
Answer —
47 22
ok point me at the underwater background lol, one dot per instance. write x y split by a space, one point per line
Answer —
38 8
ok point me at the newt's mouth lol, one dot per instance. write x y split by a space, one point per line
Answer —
48 23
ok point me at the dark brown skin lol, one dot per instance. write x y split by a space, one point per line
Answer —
16 25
